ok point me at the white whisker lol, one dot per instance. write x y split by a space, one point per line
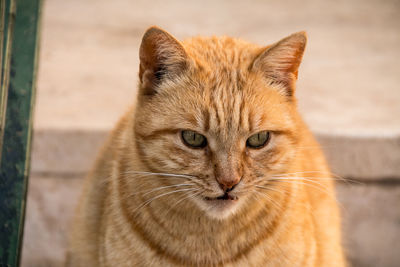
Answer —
296 179
179 201
158 196
267 197
161 174
146 192
270 188
334 176
323 189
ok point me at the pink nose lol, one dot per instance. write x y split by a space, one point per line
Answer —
227 184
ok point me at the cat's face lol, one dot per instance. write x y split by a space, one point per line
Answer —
221 122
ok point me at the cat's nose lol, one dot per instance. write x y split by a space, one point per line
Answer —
228 184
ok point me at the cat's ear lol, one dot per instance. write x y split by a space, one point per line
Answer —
280 62
161 57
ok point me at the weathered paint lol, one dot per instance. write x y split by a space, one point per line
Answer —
8 21
15 152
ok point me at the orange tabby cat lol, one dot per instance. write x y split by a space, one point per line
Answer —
210 167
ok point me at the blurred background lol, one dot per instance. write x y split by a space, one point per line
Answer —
348 92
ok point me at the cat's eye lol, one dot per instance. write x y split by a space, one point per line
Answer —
193 139
258 140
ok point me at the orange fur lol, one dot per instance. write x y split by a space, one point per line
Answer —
282 212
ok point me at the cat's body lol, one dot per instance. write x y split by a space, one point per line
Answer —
225 90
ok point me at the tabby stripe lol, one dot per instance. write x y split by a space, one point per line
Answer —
154 134
206 120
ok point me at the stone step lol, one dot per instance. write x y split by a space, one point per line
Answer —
369 240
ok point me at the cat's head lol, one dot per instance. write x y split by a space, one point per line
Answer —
220 110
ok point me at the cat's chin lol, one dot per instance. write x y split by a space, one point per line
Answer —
219 208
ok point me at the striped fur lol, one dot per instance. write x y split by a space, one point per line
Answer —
225 89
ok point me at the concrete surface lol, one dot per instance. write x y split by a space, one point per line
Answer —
348 93
371 221
51 203
348 84
369 240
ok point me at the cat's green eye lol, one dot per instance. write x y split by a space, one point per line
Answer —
258 140
193 139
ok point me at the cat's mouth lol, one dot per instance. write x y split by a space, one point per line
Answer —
220 206
225 196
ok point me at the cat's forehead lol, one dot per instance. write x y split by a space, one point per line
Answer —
221 53
243 111
227 110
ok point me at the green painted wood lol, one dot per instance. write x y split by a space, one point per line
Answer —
2 20
15 152
8 21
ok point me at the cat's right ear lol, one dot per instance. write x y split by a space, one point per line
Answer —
280 62
161 57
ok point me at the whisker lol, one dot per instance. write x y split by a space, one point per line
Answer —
347 181
267 197
199 182
159 196
270 188
297 178
331 176
168 176
302 180
161 174
302 172
323 189
179 201
146 192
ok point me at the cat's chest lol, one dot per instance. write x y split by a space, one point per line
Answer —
150 245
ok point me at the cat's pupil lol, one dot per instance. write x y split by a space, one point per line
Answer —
258 140
193 139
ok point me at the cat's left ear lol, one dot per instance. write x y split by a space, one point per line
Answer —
161 57
280 62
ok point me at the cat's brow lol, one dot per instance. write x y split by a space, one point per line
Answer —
153 134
